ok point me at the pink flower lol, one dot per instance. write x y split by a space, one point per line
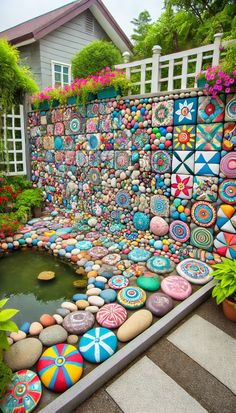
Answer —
227 90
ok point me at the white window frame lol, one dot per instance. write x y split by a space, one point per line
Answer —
53 63
14 140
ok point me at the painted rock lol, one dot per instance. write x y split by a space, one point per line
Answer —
23 354
135 325
46 275
53 335
139 255
149 283
77 297
95 300
160 265
132 297
109 295
98 344
82 304
159 304
111 316
23 393
195 271
117 282
60 367
159 226
176 287
93 291
35 328
92 309
25 327
47 320
78 322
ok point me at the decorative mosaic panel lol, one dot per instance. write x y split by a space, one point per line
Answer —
174 159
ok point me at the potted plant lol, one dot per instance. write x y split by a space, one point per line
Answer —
31 199
221 78
225 291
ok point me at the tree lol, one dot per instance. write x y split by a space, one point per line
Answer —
141 25
95 57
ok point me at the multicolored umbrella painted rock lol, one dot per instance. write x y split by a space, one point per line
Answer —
60 367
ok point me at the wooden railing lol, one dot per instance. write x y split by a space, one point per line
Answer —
171 72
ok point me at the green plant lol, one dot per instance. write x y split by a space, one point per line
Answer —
225 274
5 377
6 324
23 213
94 57
30 198
18 183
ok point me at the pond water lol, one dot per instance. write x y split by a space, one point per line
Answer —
19 283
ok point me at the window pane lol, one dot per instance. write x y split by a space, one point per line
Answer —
9 121
57 68
12 167
19 167
65 79
11 156
57 84
17 109
18 146
19 156
17 122
57 77
10 145
9 133
65 70
17 134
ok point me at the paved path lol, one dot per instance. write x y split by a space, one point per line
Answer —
190 370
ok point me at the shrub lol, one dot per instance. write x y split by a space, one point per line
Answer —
94 57
30 198
8 225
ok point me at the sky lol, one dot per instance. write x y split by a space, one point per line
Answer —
13 12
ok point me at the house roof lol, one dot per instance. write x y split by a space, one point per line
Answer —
38 27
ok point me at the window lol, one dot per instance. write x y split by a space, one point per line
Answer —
12 155
61 74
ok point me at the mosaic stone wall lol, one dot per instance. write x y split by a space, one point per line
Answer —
126 162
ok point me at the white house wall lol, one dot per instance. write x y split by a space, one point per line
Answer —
64 42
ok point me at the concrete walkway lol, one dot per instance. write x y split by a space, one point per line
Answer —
190 369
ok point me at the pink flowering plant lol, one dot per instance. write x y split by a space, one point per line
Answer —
81 88
221 78
217 81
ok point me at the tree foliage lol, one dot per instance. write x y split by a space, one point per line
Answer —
185 24
141 25
94 57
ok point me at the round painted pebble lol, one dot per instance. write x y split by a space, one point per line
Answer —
139 255
98 344
159 304
59 367
109 295
117 282
195 271
78 322
149 283
132 297
23 393
160 265
111 315
176 287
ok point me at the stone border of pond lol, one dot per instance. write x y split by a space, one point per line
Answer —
82 390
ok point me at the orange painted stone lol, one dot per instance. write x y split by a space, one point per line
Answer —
47 320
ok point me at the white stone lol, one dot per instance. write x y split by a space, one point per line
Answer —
95 300
58 318
92 309
94 291
18 336
69 306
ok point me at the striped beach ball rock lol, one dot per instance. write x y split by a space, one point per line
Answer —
111 315
98 344
60 367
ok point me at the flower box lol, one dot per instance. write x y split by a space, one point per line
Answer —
108 92
91 96
71 100
201 83
55 103
44 105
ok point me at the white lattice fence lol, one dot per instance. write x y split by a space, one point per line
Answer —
174 71
13 155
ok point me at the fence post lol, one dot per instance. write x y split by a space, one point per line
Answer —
216 51
126 57
156 52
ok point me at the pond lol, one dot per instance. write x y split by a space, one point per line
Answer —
18 281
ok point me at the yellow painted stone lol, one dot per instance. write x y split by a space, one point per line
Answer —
49 233
180 208
135 325
46 275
